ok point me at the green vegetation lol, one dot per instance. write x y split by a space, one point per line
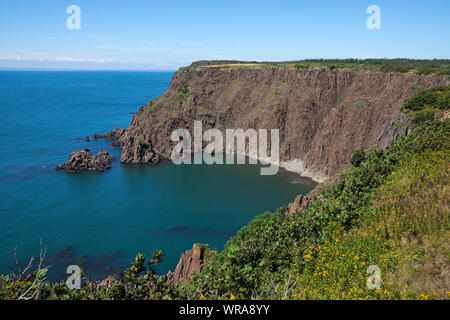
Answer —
278 250
142 141
202 110
137 282
390 209
403 231
428 104
438 98
280 89
182 92
357 158
435 66
147 111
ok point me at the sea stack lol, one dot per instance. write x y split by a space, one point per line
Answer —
84 160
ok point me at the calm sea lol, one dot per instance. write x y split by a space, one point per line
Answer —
100 221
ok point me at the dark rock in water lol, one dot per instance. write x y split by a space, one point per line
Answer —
62 258
94 266
138 151
85 160
81 260
113 134
87 138
191 262
65 252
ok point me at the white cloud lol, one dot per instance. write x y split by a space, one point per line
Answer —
61 62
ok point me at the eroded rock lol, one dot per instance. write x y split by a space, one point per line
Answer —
114 135
84 160
191 262
137 151
301 202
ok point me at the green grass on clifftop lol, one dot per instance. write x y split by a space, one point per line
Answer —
437 66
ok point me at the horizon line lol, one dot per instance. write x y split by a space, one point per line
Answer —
106 70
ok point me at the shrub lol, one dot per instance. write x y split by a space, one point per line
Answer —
357 157
262 254
438 98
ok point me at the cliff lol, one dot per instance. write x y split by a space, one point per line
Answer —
323 115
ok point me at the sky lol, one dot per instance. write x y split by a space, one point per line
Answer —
165 35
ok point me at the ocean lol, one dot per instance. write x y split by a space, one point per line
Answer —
100 221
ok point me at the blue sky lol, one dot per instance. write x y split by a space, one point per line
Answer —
153 34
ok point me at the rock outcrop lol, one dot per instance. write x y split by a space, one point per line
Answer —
85 160
300 203
137 151
112 135
191 262
398 125
116 133
323 115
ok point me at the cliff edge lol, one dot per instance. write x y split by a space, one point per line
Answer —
323 115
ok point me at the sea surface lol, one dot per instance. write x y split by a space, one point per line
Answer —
101 220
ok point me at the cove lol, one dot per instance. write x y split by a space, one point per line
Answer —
100 221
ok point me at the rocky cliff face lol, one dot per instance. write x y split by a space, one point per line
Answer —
323 115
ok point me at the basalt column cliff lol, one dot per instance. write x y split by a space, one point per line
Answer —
323 115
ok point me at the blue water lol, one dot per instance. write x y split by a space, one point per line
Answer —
101 221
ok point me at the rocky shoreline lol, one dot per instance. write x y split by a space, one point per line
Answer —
139 150
323 117
113 135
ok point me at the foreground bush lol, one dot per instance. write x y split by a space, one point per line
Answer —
428 104
277 250
389 210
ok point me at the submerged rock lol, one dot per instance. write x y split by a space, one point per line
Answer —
85 160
